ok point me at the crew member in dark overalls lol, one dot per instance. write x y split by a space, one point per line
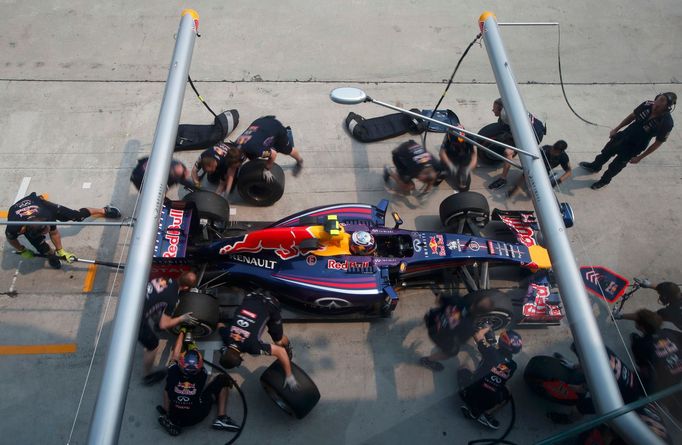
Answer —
36 208
649 119
257 312
219 164
178 173
412 161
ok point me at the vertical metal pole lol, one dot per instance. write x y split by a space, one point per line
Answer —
106 421
581 320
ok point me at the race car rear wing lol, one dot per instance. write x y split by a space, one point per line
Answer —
175 225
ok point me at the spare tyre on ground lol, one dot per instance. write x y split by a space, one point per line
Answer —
295 403
254 188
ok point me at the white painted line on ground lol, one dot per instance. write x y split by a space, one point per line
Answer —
86 185
233 211
14 279
22 188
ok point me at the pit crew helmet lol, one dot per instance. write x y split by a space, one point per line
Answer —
510 341
230 358
191 362
362 243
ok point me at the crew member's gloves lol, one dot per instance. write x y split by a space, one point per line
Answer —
26 254
291 383
555 181
268 176
68 256
188 319
169 426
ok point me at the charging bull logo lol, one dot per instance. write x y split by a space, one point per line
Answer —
283 240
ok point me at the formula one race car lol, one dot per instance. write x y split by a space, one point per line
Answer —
308 260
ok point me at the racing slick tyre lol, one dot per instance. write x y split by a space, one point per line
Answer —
210 205
460 206
492 131
203 307
295 403
254 189
549 378
500 316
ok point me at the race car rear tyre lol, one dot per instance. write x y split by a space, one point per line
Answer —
295 403
492 131
203 307
254 189
464 205
501 316
548 378
210 205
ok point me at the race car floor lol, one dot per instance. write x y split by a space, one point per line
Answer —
81 89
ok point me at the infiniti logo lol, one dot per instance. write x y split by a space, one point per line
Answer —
332 303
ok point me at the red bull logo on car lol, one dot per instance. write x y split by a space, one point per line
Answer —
283 240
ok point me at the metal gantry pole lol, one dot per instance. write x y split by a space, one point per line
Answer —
106 421
579 314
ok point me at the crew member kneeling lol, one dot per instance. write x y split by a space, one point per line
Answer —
243 335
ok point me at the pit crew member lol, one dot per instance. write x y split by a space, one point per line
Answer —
538 128
37 208
257 312
553 156
450 325
265 137
219 164
670 297
650 119
189 394
458 156
412 161
484 390
178 173
157 314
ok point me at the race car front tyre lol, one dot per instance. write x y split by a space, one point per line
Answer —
210 205
549 378
203 307
254 189
456 209
500 316
295 403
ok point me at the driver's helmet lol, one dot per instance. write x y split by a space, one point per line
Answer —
362 243
510 341
191 362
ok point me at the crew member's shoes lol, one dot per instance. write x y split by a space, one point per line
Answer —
590 167
431 364
224 423
489 421
169 426
387 173
467 412
154 377
112 212
599 184
297 168
498 183
53 261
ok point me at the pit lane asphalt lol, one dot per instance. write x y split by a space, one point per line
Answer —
81 89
